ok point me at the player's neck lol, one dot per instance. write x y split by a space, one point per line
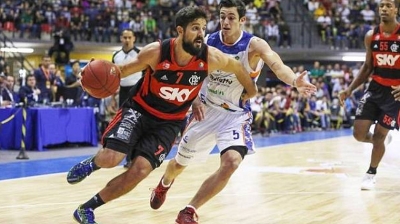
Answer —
231 39
181 57
390 26
127 49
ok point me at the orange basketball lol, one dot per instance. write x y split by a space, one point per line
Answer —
100 78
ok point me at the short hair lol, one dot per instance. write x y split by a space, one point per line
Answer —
240 6
128 30
188 14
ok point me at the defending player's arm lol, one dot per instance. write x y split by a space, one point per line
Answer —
147 57
365 70
282 71
220 61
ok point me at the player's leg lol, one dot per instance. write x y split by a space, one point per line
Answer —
235 139
197 141
149 152
106 157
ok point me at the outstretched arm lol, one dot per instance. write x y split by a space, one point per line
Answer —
282 71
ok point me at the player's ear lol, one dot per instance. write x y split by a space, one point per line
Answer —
243 19
179 29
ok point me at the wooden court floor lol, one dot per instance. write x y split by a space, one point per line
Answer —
309 182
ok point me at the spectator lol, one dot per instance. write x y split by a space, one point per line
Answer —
44 79
285 37
368 15
29 93
272 32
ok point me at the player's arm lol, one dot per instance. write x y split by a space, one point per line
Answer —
366 69
282 71
149 56
219 61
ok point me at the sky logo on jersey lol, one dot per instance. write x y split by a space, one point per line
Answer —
175 94
386 59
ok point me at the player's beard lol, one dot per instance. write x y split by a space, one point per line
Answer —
190 47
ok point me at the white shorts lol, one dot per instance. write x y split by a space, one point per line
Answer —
219 128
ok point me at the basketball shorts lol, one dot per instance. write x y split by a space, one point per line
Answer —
219 128
378 105
135 134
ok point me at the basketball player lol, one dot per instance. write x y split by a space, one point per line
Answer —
378 104
148 122
123 56
224 121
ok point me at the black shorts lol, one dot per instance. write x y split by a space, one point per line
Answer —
378 105
136 134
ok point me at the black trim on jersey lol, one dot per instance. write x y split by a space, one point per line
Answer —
137 50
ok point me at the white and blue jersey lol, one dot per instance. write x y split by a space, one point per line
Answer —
222 89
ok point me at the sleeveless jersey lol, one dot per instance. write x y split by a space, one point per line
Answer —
386 57
168 92
121 57
222 89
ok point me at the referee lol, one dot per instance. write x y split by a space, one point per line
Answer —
123 56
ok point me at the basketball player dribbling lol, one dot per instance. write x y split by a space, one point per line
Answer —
221 118
378 104
148 123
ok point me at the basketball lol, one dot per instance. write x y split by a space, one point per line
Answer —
100 78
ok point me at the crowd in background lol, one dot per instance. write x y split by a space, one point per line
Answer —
342 24
280 109
103 20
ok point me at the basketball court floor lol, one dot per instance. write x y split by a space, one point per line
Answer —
311 178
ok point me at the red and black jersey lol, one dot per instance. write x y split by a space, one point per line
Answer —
386 57
168 92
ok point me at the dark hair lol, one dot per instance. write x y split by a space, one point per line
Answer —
128 30
240 6
188 14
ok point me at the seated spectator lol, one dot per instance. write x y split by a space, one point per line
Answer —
29 93
8 95
284 35
272 32
368 15
324 25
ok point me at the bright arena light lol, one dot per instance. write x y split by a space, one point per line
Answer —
17 50
354 57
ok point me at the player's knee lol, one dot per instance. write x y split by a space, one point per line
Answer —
360 135
107 158
230 161
140 168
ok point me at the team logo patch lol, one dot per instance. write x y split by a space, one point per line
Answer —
194 80
394 47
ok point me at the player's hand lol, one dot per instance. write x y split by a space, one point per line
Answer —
396 92
245 97
303 86
343 96
198 109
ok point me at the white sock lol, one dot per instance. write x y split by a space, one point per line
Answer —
165 185
191 206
